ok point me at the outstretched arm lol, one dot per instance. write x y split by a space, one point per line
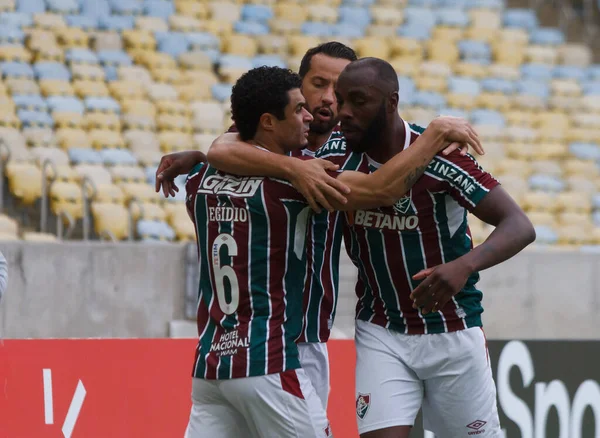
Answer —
513 232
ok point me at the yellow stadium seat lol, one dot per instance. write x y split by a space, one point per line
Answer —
388 16
435 69
34 237
139 191
174 141
14 53
207 116
140 122
49 21
230 74
122 90
73 138
514 36
272 44
431 83
13 138
200 77
521 151
382 31
151 24
321 13
513 166
196 60
66 197
580 167
3 90
9 119
111 122
24 181
509 55
555 119
582 184
495 101
173 122
487 34
50 87
97 174
224 11
152 60
51 154
87 72
202 142
182 23
584 135
590 103
516 185
84 88
572 235
521 134
110 220
158 92
566 103
39 38
240 45
520 118
148 157
72 37
63 172
170 76
477 71
447 34
552 151
140 107
7 5
565 87
175 107
148 211
283 28
123 173
67 119
137 39
104 139
184 230
528 102
43 137
49 53
574 202
190 8
575 54
552 134
293 12
485 18
542 218
8 225
300 44
418 115
540 201
221 28
461 101
108 193
586 120
541 55
141 140
18 86
443 52
176 210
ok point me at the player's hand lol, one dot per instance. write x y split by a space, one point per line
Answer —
310 178
173 165
457 130
439 285
463 149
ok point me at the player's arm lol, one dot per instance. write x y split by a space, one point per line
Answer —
230 154
173 165
395 178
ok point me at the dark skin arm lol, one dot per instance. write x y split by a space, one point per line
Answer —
513 232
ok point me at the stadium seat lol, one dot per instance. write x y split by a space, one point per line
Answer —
27 88
17 70
576 55
110 220
141 140
110 122
72 37
81 56
152 230
67 119
547 37
97 174
125 7
159 8
16 19
104 139
139 122
8 227
520 18
85 22
24 181
83 155
66 197
139 191
171 141
102 104
127 173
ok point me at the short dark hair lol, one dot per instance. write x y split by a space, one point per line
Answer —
333 49
259 91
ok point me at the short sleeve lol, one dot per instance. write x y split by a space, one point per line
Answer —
462 177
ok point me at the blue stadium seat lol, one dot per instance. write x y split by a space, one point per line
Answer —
65 104
415 31
536 71
545 235
125 7
203 41
253 28
235 61
16 69
547 36
88 156
569 72
150 173
532 87
420 16
596 201
16 19
180 195
585 151
488 117
113 157
102 104
591 88
547 183
95 8
52 70
31 6
110 73
30 102
270 60
173 43
63 6
354 16
316 28
429 99
406 86
454 112
260 13
464 85
159 8
221 92
117 23
10 34
424 3
347 30
473 51
498 85
114 57
358 3
452 17
521 18
155 230
486 4
459 4
35 118
85 22
81 56
593 72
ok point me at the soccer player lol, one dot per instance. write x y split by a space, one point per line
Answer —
419 339
319 70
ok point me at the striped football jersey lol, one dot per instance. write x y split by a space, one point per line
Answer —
251 235
425 228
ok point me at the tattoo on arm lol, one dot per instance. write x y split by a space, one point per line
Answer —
413 176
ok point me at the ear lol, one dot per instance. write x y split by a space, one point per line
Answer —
393 102
267 122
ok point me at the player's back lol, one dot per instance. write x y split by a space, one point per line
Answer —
251 239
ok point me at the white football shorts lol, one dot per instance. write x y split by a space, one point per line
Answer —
314 360
446 374
273 406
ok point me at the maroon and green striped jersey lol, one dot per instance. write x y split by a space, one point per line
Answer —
251 234
425 228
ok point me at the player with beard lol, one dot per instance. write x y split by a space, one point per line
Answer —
319 70
419 339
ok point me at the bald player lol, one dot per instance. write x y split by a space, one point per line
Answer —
419 336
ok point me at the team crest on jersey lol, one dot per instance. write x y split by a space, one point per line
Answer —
402 205
243 187
363 403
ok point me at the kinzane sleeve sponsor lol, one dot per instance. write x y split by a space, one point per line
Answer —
462 177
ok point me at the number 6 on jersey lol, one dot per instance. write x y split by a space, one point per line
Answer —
226 271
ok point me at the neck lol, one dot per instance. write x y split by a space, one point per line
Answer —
390 142
315 141
266 141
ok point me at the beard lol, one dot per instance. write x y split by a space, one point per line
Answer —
322 127
370 135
